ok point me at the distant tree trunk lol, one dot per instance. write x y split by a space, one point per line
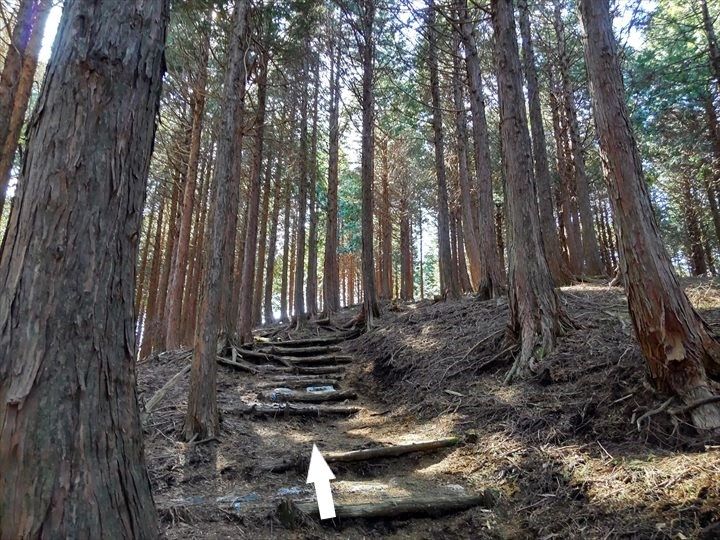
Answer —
170 255
291 269
711 186
465 282
262 244
534 309
21 88
385 220
448 279
311 291
71 450
284 313
331 272
247 274
151 322
499 237
492 281
202 416
560 272
713 51
677 344
367 160
406 260
693 232
300 226
468 216
591 252
178 273
142 276
272 241
421 257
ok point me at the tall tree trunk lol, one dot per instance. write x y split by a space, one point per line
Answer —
712 185
468 217
311 291
693 232
300 225
142 276
367 160
591 252
202 416
713 51
71 450
272 241
675 341
331 277
174 305
247 274
151 322
492 280
449 283
534 309
284 313
385 219
11 126
262 244
560 272
406 258
170 255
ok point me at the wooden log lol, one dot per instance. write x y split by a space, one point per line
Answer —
319 360
301 370
309 397
319 340
160 394
293 513
301 381
289 409
389 451
300 351
255 355
238 364
300 462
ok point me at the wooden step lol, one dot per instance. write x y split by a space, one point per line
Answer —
309 397
298 381
319 360
313 341
293 513
301 351
289 409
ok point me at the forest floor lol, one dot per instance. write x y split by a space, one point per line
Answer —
573 453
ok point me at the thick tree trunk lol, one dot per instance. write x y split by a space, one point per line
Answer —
448 279
492 280
11 126
675 341
591 252
311 291
174 305
367 161
247 274
331 273
71 450
560 272
468 216
534 309
202 416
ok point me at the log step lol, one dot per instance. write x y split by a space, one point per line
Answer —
311 342
319 360
289 409
308 397
302 370
298 382
293 513
301 351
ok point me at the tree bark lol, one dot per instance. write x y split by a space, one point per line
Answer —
448 279
713 51
675 341
174 305
331 272
560 271
492 281
71 450
262 243
23 90
300 232
406 259
367 160
201 419
272 241
385 220
311 292
285 257
535 314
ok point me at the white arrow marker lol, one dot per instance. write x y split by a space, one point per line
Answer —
319 473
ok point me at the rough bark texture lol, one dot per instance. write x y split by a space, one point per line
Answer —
298 294
272 242
560 271
385 267
534 309
676 343
71 450
285 256
312 256
492 281
176 286
448 278
202 416
406 258
262 244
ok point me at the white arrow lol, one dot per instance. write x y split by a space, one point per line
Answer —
320 474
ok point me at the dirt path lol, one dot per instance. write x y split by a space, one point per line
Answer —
256 475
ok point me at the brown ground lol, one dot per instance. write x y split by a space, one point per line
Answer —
565 452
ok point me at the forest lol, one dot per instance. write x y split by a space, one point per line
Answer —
463 253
